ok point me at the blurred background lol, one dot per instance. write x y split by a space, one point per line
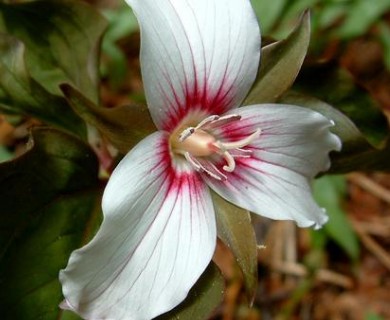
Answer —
342 271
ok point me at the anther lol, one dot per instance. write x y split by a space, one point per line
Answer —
205 166
220 121
186 133
240 153
192 161
206 121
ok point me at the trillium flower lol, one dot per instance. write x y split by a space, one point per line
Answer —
199 59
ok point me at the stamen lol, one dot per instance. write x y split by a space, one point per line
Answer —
199 145
193 161
240 153
231 164
186 133
206 121
222 121
240 143
212 170
205 166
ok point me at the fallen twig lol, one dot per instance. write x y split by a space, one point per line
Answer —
324 275
370 185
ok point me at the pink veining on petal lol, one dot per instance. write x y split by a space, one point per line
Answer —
201 99
237 130
196 56
173 204
198 99
178 177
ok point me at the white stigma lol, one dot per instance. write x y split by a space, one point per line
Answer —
240 143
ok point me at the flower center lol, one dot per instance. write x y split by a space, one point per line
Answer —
201 148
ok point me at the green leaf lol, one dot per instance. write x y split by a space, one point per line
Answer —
236 231
62 40
122 22
297 6
344 128
361 15
202 299
357 153
29 271
336 86
384 35
330 14
5 154
373 316
68 315
42 44
329 191
21 94
268 13
124 126
280 64
49 208
353 140
369 160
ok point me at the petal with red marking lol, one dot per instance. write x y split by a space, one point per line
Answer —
157 237
196 55
292 148
292 137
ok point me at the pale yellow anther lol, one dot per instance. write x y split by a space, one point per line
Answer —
186 133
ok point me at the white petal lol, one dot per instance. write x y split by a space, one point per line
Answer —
196 55
292 148
292 137
157 237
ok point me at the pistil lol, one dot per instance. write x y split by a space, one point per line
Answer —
199 145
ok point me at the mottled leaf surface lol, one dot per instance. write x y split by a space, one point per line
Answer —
21 94
62 39
49 207
42 44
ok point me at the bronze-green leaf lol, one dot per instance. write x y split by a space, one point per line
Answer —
45 43
49 207
62 39
236 231
203 298
280 64
124 126
21 94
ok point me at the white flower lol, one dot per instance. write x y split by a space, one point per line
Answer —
199 59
